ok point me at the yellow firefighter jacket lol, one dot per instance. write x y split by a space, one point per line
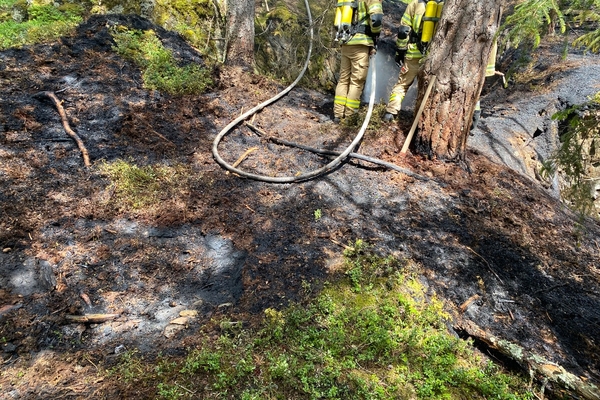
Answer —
367 9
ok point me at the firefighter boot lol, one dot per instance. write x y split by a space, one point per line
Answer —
388 117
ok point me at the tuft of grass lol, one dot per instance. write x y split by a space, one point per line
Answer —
22 25
159 67
137 187
376 333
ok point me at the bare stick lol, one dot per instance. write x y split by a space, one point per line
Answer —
242 158
91 318
418 116
156 133
65 122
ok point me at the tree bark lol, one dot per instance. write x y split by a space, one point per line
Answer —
240 33
458 56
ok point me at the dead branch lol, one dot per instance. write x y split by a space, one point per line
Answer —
467 303
65 122
548 370
391 166
243 157
91 318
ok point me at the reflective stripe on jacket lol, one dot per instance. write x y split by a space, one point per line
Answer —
365 10
412 18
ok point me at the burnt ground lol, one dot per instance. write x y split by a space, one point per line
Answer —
227 246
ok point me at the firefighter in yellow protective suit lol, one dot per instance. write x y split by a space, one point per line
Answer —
490 70
355 57
408 55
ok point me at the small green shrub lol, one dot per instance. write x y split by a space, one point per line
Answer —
159 68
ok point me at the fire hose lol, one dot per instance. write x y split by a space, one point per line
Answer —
311 174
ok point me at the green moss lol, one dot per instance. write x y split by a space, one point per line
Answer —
194 19
159 68
34 24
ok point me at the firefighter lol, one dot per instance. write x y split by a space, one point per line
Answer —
490 70
408 55
356 50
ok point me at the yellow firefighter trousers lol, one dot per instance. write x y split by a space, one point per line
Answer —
408 73
353 74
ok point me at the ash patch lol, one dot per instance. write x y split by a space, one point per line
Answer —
135 280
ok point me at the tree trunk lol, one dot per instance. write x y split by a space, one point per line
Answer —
458 56
240 33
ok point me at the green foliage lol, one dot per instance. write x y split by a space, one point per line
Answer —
531 20
577 159
194 19
22 25
375 334
590 40
129 368
586 14
159 68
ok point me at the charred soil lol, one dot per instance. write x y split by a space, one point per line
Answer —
504 254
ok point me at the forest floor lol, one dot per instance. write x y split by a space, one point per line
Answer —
492 242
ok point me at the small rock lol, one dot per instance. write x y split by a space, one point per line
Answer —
172 329
47 278
180 321
198 303
188 313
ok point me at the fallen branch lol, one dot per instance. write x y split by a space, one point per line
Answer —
243 157
342 245
65 122
337 153
91 318
549 371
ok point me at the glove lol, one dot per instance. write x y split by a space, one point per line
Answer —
400 54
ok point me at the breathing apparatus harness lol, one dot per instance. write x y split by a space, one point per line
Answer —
423 36
347 24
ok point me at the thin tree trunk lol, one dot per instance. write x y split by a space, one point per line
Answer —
240 32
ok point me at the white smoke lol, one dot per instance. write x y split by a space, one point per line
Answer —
387 75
